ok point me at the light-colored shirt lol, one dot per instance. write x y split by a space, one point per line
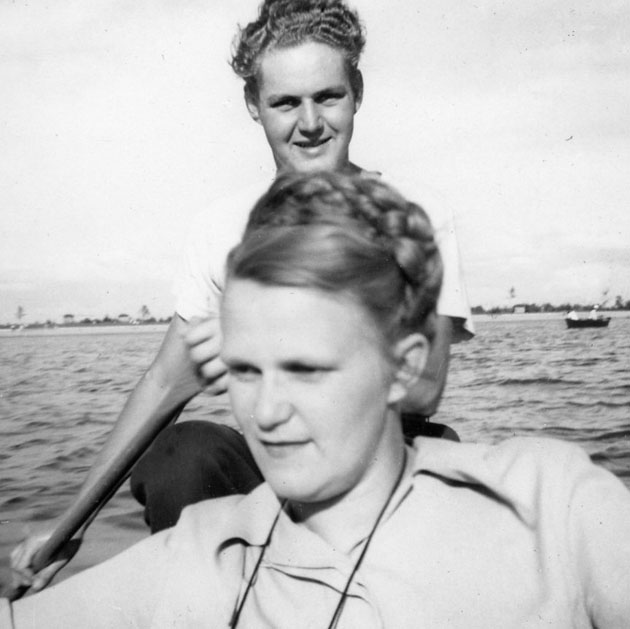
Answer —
528 533
200 279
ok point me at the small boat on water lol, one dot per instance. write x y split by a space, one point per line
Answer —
599 322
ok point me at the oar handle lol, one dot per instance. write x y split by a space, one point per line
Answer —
79 513
95 497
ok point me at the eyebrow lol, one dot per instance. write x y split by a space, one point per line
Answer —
290 364
235 361
297 363
340 89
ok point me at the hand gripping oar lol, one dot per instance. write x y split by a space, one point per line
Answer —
96 496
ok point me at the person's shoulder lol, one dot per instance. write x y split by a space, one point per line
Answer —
519 459
218 227
526 455
415 189
542 473
208 515
229 211
515 470
212 523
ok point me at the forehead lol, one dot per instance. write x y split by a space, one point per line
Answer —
306 68
259 320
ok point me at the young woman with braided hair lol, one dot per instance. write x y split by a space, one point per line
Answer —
327 313
299 62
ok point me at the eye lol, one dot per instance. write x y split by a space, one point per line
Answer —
243 372
285 103
329 98
306 371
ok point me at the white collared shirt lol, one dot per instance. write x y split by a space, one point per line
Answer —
528 533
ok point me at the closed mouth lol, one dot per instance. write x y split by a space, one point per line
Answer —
283 449
312 145
281 444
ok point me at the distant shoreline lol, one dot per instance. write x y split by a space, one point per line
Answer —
161 327
69 330
546 316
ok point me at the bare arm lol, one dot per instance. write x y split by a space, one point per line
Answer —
169 382
174 377
158 397
425 396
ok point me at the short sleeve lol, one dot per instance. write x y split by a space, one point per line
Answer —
453 301
196 287
200 277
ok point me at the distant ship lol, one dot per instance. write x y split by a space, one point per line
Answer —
600 322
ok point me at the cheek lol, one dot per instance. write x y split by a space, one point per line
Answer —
366 398
344 409
242 403
342 119
277 128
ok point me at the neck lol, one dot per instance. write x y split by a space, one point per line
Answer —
344 521
349 168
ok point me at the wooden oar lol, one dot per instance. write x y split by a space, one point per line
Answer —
96 496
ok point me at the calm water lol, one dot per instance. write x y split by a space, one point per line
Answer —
60 395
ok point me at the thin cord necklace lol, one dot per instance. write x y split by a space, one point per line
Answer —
344 595
252 578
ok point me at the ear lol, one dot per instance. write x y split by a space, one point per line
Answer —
252 106
358 91
411 354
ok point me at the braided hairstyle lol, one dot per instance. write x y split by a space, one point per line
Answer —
349 234
287 23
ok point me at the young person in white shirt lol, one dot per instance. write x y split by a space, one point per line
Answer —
303 86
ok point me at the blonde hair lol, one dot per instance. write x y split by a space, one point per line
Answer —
287 23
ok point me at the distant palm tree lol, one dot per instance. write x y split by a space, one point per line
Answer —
144 313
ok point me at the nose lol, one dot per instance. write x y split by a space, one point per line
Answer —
310 120
272 407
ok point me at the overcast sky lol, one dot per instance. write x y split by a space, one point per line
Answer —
120 121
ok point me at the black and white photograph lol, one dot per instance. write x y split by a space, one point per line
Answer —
314 314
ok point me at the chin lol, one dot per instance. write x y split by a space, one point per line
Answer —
327 163
315 166
295 489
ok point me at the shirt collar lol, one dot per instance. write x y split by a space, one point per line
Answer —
253 516
477 465
467 463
